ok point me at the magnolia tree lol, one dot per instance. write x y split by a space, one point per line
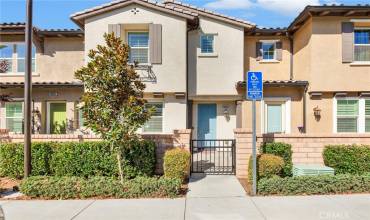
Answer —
113 104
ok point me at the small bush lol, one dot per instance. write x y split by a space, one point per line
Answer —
353 159
139 159
268 165
54 187
314 185
176 163
282 150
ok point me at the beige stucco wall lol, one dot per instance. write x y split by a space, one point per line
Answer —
216 74
277 70
324 124
171 74
296 108
225 124
60 59
40 97
318 58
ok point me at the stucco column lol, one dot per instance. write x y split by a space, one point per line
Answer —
243 147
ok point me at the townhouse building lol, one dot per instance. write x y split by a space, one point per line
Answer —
193 62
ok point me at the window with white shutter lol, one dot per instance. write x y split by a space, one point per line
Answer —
347 115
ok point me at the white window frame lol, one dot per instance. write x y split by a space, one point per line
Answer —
354 45
5 117
286 111
214 53
154 101
140 31
364 113
15 59
48 114
360 117
269 42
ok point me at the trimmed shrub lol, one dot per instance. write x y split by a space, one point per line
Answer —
314 185
176 163
139 159
353 159
282 150
78 159
83 159
268 165
104 187
11 159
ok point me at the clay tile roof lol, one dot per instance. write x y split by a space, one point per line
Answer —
278 83
42 84
206 12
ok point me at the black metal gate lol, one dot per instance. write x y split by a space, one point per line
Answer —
213 156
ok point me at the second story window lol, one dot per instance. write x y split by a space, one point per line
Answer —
268 50
207 43
139 47
362 45
12 58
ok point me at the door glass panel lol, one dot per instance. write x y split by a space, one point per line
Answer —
58 118
274 118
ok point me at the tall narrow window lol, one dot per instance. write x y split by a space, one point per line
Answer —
347 115
6 58
14 117
207 43
139 47
274 118
268 50
367 115
362 45
155 123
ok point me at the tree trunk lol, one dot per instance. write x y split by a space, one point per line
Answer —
119 166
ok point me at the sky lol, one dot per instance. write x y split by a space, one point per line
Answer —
266 13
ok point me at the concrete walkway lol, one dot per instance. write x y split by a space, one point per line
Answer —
209 198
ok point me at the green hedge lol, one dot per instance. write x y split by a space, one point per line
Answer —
268 165
314 185
102 187
353 159
282 150
78 159
177 163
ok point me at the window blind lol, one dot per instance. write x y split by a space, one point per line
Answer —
155 123
347 114
367 115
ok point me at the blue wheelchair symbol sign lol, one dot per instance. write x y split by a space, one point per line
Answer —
254 86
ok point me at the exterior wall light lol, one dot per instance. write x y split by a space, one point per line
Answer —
317 112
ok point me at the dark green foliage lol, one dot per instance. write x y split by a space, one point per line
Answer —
78 159
268 165
353 159
103 187
139 159
314 185
83 159
11 159
282 150
176 163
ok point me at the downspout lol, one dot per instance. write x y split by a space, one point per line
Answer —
304 109
189 104
291 43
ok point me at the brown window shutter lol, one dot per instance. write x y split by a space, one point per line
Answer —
115 28
347 42
259 51
155 43
279 50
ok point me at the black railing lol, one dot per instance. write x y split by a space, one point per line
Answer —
213 156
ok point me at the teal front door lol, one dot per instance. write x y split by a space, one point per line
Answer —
207 121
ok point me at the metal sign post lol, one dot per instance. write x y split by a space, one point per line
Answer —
254 93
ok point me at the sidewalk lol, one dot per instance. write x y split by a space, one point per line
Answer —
209 198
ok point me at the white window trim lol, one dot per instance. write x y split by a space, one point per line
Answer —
360 63
214 54
274 41
4 113
141 31
161 101
48 113
14 60
286 111
360 118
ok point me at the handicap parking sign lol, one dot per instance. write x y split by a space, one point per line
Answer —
254 86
